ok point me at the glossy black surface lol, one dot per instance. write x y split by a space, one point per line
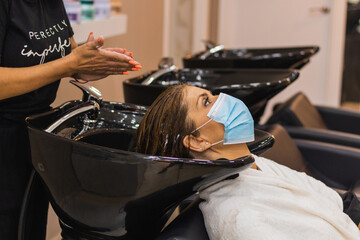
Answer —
253 86
101 190
295 58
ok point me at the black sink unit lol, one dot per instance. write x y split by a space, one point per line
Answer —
253 86
99 187
291 57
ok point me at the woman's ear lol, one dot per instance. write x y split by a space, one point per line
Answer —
196 144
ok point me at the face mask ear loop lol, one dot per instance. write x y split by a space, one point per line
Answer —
201 126
217 142
198 129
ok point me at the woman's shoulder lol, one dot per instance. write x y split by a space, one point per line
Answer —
268 165
4 15
294 177
5 6
271 167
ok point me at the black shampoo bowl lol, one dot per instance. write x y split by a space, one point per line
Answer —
101 189
253 86
218 57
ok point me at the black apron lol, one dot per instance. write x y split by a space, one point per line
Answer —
15 169
31 33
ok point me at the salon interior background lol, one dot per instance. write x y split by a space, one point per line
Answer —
175 28
178 26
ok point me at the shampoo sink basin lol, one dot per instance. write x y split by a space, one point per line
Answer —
219 57
253 86
99 187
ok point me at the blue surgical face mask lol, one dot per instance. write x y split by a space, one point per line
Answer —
235 116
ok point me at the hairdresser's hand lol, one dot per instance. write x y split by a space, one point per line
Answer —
120 50
93 63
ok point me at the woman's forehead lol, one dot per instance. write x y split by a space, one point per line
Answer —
193 93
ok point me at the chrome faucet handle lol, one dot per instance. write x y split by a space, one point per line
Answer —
165 62
209 44
166 65
210 51
89 106
89 92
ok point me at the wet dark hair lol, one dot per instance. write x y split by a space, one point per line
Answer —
165 124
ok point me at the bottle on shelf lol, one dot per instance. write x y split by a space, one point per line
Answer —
115 7
87 10
102 9
73 10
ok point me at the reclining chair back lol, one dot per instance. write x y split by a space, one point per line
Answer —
308 156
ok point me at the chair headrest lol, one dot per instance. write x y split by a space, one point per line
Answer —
298 111
284 150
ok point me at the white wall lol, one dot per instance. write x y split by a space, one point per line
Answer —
185 26
285 23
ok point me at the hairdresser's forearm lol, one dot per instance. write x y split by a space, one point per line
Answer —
88 58
18 81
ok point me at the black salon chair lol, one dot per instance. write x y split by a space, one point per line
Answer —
189 225
336 166
303 120
98 186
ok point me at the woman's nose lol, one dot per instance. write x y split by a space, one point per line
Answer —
215 98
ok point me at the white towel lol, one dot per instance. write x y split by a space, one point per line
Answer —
274 202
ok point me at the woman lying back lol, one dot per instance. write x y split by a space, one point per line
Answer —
266 201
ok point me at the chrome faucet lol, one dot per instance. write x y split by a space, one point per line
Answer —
208 44
211 49
166 65
89 92
87 110
91 108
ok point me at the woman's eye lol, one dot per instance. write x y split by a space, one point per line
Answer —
207 102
